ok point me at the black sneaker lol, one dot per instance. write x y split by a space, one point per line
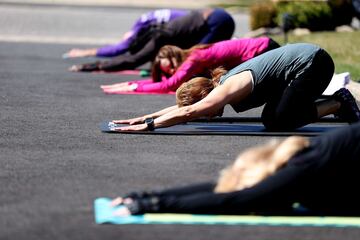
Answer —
349 110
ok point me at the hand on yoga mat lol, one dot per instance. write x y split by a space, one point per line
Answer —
87 67
124 211
120 200
74 68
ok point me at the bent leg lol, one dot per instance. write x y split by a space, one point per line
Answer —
295 106
294 109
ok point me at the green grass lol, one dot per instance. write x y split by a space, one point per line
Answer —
240 4
343 47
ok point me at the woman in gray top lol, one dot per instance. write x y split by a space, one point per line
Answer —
288 80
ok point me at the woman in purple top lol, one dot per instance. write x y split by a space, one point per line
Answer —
201 26
146 19
173 66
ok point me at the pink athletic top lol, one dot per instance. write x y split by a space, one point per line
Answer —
228 54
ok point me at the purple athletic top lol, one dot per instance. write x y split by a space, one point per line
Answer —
157 16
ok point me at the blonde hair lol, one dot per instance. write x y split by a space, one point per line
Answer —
257 163
198 88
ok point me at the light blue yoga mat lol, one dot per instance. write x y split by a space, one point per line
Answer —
104 214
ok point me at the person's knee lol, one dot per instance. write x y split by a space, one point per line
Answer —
276 125
279 121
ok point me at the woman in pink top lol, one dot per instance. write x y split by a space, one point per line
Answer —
174 66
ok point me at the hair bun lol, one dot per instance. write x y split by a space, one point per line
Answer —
217 73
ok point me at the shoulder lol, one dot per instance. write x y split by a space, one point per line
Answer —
239 85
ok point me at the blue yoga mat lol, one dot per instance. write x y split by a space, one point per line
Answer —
104 214
198 128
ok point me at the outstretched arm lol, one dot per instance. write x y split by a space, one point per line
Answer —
210 106
138 120
76 52
175 116
114 49
275 194
121 62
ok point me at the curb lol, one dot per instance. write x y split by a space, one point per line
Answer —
187 4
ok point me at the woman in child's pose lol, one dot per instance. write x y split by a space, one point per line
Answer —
205 26
288 80
321 174
173 66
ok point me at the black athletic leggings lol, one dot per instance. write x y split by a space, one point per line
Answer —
323 178
294 105
218 27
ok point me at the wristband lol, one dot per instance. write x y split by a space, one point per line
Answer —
150 124
143 205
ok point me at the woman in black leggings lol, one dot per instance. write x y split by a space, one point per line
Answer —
206 26
321 174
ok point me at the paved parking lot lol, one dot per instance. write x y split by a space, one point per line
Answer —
55 161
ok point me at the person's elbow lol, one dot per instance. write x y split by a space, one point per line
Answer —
188 113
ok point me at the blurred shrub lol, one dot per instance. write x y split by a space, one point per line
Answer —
312 15
342 11
263 15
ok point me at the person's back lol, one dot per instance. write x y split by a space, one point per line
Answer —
186 31
273 71
279 64
330 169
200 61
139 29
205 26
230 53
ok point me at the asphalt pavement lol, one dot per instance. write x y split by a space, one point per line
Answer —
55 161
67 24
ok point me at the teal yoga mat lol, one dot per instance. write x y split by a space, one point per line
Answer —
104 215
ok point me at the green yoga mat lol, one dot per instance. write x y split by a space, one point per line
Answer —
104 215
